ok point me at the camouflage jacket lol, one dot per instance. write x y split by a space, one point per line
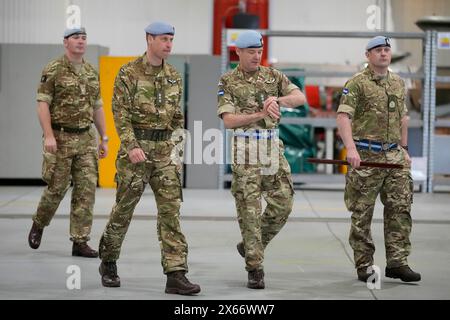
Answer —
375 106
71 96
241 93
146 97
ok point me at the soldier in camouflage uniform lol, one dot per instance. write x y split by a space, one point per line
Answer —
373 123
69 102
248 100
146 107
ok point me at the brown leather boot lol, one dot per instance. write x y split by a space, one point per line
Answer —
404 273
256 279
240 249
177 283
108 271
35 236
82 249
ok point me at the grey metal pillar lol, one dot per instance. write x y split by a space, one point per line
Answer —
223 69
426 104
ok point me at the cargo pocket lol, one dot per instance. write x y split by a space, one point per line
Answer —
246 183
169 185
278 184
163 150
129 177
179 183
238 189
288 179
48 166
411 186
361 189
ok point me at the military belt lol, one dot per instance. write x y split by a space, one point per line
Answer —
152 134
257 134
375 145
56 126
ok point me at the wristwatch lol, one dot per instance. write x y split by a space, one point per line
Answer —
105 139
405 147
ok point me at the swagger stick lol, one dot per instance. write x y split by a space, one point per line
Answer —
363 163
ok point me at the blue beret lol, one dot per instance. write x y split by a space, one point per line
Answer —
72 31
157 28
378 41
249 39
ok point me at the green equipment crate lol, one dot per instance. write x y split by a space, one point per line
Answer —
298 140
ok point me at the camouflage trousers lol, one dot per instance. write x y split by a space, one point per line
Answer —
163 176
258 229
75 160
395 187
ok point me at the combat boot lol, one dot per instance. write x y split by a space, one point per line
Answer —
240 249
108 271
83 250
35 236
256 279
177 283
363 275
404 273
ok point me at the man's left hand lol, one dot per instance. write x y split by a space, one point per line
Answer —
272 107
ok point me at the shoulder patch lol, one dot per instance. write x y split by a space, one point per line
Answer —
220 93
44 78
345 91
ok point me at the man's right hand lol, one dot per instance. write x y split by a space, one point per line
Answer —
50 144
353 158
137 155
272 108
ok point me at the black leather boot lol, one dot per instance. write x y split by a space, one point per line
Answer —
35 236
404 273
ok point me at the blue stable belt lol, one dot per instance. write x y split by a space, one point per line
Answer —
257 134
375 145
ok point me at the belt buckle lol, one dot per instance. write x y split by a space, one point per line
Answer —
385 146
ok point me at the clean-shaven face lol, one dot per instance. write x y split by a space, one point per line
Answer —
160 45
380 57
76 44
249 58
